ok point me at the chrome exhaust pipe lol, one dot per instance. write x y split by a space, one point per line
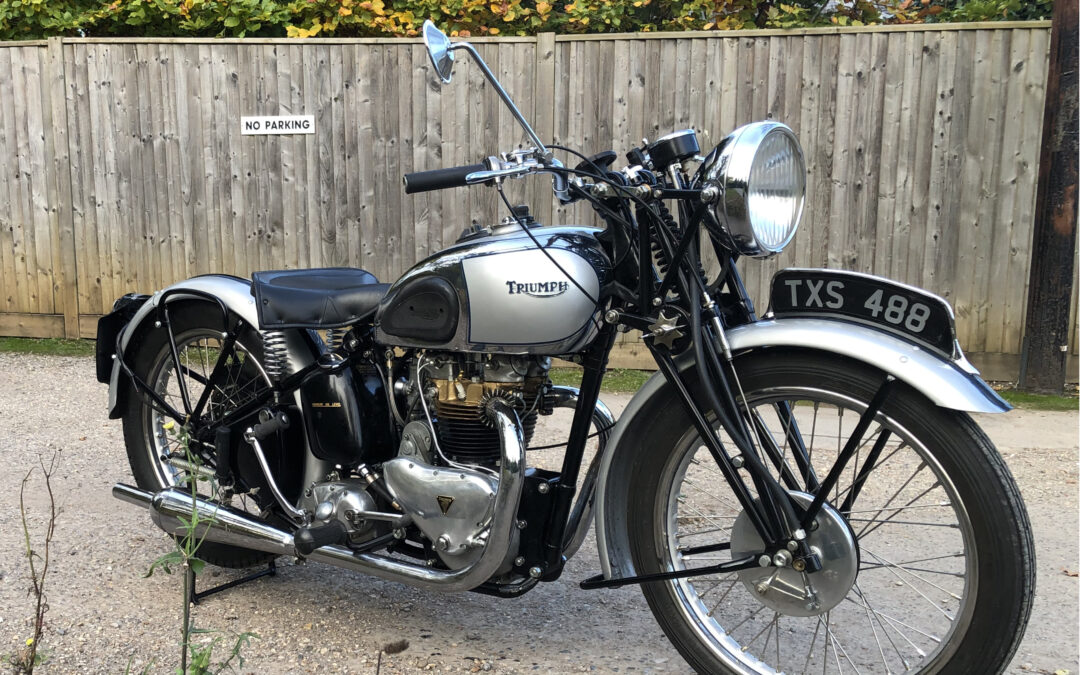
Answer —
224 525
218 523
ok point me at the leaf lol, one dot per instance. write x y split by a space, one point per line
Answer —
197 565
1069 573
545 7
165 563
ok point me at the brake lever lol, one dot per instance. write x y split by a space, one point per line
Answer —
497 174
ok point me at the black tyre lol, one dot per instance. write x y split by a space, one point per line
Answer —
929 569
197 327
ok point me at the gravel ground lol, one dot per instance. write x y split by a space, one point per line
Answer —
103 615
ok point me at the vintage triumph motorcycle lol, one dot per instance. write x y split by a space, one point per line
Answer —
797 491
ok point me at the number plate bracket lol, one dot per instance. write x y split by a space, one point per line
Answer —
909 312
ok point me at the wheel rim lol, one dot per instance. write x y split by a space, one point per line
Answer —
917 570
198 351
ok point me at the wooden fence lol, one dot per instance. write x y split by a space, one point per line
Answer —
124 167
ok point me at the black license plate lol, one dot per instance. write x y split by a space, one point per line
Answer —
911 312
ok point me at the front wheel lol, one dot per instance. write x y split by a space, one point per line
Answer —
929 567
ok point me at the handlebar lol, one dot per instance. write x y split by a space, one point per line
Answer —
439 179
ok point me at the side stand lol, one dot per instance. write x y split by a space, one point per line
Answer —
196 596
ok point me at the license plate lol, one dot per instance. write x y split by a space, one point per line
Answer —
911 312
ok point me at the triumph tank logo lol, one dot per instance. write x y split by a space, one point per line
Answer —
538 289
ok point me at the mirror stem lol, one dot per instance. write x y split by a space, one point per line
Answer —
504 96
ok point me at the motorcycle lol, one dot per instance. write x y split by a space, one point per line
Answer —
801 490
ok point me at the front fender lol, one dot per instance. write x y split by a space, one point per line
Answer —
948 383
233 291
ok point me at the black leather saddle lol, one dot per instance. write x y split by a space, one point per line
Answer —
320 298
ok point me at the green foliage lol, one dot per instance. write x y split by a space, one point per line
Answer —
35 19
196 657
1050 402
616 380
985 10
47 346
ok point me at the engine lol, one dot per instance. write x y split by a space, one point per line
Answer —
445 403
457 387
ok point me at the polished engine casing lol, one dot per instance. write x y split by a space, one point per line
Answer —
499 293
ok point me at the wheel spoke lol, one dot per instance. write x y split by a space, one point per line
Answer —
877 641
730 503
884 630
896 622
718 602
870 527
899 508
908 571
922 465
810 651
890 521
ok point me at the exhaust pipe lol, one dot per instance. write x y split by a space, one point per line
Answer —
225 525
218 523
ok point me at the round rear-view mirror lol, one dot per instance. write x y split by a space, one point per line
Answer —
438 48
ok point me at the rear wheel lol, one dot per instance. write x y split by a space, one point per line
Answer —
930 568
154 450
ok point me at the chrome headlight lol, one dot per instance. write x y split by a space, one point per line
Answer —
759 178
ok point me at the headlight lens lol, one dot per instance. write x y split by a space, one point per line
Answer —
761 176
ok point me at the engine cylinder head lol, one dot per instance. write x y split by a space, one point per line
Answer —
463 392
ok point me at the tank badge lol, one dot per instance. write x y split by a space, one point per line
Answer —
444 503
538 289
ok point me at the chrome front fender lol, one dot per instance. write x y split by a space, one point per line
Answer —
949 383
233 291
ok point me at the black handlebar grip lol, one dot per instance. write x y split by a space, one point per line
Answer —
439 179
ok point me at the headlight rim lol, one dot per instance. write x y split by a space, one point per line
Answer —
729 171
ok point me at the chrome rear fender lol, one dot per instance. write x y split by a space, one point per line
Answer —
949 383
233 291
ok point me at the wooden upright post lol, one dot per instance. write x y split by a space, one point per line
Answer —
1046 331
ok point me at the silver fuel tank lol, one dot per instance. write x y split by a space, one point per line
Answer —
500 293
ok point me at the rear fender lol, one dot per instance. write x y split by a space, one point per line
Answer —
234 292
949 383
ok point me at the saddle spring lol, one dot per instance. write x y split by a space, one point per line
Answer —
334 337
275 354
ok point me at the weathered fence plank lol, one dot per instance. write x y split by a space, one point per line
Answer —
125 169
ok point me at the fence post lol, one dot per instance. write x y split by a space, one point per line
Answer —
1046 338
62 221
544 115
